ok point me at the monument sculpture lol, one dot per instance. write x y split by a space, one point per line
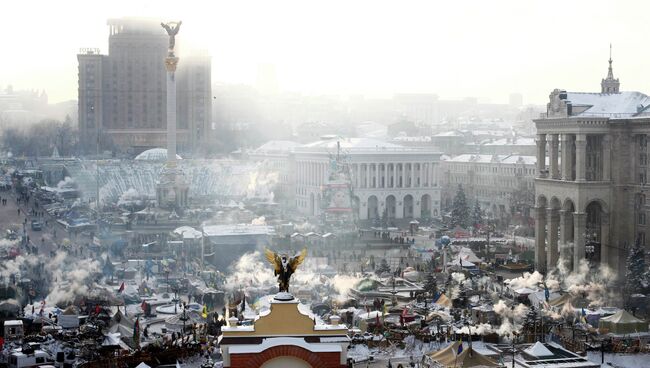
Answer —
284 266
172 29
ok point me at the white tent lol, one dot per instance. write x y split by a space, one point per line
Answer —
142 365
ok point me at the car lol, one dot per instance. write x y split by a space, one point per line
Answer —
36 225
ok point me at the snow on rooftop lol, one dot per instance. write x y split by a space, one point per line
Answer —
623 104
155 154
241 229
284 341
351 143
277 147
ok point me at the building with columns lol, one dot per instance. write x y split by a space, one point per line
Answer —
403 181
498 182
590 194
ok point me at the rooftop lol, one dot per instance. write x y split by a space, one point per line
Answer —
613 105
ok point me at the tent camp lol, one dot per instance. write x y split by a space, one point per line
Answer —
69 318
448 357
622 323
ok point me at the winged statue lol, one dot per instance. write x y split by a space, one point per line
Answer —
284 266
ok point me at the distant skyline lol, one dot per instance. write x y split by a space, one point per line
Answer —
482 49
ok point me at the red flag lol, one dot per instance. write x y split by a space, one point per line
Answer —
121 288
143 305
97 309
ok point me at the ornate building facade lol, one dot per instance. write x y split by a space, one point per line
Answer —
590 194
401 182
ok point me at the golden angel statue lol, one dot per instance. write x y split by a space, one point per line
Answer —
284 266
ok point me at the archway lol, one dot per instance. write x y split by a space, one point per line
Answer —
373 206
408 206
390 206
285 362
425 206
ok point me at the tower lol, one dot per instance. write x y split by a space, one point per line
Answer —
609 84
172 189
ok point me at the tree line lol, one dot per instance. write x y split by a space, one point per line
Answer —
41 138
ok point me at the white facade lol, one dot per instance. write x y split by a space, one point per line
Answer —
402 181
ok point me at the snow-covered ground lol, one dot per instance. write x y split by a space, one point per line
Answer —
621 360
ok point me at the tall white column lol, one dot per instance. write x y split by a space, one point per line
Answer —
581 157
553 157
566 157
367 175
541 155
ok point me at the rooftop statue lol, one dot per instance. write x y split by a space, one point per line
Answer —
284 267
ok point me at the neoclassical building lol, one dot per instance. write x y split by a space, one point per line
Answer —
590 197
403 181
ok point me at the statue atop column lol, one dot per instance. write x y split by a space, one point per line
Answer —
172 29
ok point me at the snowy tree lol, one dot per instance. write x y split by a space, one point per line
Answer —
431 284
384 218
460 211
383 267
636 270
477 214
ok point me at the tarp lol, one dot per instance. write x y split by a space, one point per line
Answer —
448 357
471 358
560 301
622 323
444 301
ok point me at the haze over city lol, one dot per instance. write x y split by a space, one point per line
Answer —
324 184
484 49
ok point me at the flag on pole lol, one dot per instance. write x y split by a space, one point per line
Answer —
121 289
205 311
460 347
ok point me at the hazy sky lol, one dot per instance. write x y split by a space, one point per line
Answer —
485 49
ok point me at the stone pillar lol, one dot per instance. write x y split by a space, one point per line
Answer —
553 218
607 156
607 255
412 175
403 175
386 175
541 155
553 157
579 223
565 247
540 239
567 150
368 176
581 157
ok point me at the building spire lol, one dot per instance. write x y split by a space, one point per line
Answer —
609 84
610 73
